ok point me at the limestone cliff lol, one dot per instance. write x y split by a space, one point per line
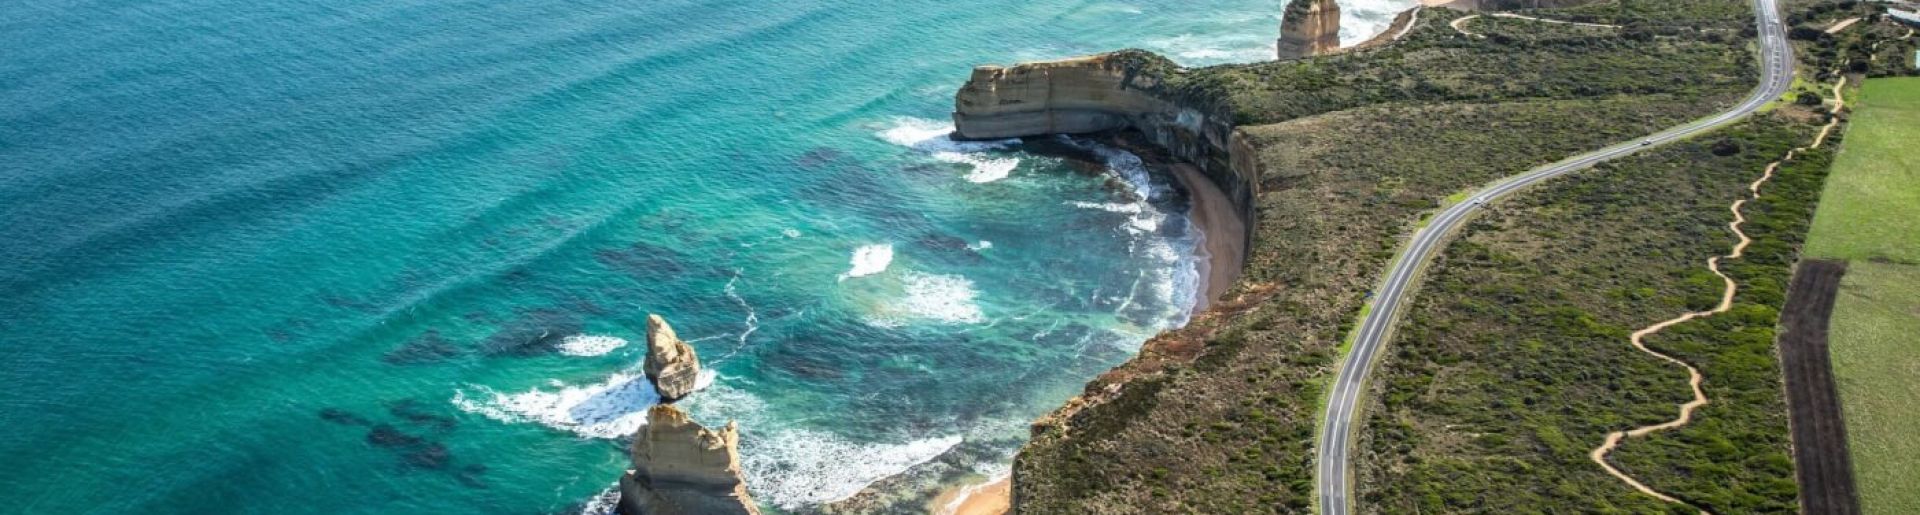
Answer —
1129 89
1309 28
671 364
680 467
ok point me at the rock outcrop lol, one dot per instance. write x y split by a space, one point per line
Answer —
1129 89
680 467
1309 28
671 364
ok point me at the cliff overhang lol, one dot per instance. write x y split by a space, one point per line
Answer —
1128 90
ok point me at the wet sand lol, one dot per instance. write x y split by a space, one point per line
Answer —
991 498
1222 250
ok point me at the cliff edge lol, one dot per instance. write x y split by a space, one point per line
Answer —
1125 90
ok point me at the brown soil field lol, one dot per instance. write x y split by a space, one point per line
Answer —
1825 469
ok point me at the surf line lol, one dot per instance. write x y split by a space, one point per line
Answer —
1638 339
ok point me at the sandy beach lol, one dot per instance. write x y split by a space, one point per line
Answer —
1222 250
990 498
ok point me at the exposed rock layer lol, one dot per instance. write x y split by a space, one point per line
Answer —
671 364
1309 28
680 467
1115 91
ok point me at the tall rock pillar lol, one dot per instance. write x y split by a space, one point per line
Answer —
1309 28
680 467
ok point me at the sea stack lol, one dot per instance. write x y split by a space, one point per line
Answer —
671 364
1309 28
680 467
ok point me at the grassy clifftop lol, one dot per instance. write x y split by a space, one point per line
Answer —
1354 150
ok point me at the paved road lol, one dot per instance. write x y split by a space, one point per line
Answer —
1335 451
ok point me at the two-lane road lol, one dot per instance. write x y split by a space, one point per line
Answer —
1335 451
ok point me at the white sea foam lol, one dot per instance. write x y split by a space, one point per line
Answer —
606 503
1203 50
1175 283
1361 20
589 345
935 139
1111 207
788 467
869 260
983 245
608 409
1130 169
945 298
802 467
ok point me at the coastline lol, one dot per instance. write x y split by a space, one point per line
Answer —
1220 249
993 497
1219 252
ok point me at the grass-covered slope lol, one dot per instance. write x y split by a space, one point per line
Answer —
1514 362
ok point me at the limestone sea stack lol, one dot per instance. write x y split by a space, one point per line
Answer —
1309 28
671 364
680 467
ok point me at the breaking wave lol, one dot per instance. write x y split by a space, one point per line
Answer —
787 467
612 408
869 260
935 139
586 345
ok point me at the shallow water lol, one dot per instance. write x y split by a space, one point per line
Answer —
357 256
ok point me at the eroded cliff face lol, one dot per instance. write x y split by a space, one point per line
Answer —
1309 28
680 467
1130 89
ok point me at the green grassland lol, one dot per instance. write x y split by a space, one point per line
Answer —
1875 361
1514 361
1354 150
1872 204
1870 215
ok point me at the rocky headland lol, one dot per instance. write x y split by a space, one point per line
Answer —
1128 90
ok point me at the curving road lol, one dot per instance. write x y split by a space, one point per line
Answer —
1335 469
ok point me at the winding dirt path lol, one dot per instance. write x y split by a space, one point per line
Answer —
1837 27
1875 57
1459 25
1638 339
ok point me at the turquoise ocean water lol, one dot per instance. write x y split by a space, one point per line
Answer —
396 256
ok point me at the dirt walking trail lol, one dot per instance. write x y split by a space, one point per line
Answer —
1638 339
1459 25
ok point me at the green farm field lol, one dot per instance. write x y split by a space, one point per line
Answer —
1871 207
1870 216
